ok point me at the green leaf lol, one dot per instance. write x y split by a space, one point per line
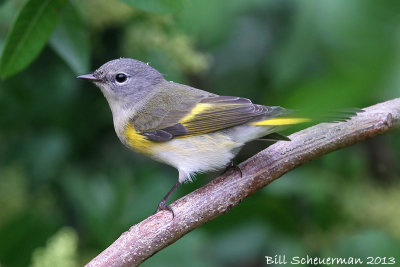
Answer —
157 6
29 34
70 41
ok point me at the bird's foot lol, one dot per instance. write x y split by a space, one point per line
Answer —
163 206
233 167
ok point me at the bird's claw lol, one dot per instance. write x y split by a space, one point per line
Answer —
163 206
233 167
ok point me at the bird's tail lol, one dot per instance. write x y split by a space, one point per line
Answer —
280 121
317 117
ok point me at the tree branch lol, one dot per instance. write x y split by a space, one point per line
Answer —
220 195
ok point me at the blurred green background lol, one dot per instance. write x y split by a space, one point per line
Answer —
68 187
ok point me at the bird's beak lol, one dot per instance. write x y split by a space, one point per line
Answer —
89 77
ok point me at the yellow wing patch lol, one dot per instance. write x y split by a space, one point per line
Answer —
202 110
137 141
210 117
280 121
198 109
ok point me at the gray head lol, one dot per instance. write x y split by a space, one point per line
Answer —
124 80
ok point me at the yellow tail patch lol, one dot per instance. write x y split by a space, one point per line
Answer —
280 121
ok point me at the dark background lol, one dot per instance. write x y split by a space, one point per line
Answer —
68 187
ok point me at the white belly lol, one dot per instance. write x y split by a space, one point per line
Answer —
203 153
195 154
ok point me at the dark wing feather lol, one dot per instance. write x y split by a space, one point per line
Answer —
165 134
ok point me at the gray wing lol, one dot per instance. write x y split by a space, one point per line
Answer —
210 114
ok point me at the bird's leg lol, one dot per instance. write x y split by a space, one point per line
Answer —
162 205
232 166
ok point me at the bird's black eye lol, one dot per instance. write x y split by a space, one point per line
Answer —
120 77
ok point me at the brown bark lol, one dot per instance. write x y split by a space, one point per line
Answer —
220 195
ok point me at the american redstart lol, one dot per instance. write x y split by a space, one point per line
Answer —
192 130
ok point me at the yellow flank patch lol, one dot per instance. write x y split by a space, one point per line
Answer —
137 141
280 121
198 109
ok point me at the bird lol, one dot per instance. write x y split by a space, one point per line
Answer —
190 129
